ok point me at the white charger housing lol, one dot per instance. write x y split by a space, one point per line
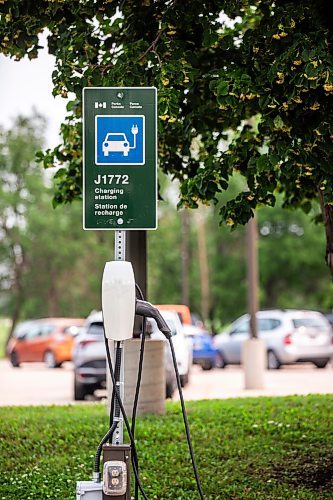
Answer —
118 300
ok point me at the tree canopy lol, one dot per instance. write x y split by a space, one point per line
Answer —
244 86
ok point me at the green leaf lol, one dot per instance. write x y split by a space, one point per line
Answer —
263 163
222 88
306 207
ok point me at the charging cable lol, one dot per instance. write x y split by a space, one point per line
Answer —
187 429
138 383
146 310
113 424
132 440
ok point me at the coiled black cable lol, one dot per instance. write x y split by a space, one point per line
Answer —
105 439
113 425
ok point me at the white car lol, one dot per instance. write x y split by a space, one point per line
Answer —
183 349
115 143
89 356
291 336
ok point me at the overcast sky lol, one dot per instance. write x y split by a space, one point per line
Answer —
26 84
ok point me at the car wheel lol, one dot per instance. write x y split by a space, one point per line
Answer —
50 360
273 362
220 361
207 365
321 363
169 390
80 391
184 379
14 359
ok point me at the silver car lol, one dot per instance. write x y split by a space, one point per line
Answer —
291 336
89 358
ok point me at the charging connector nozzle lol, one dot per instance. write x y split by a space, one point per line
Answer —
147 310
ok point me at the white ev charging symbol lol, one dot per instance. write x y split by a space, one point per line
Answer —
119 139
117 142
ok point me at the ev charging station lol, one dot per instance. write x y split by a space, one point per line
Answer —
120 194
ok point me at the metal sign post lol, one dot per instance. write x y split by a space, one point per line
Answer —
120 254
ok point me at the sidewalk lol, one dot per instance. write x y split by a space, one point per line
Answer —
229 383
33 384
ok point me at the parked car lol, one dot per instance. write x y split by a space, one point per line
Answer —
205 353
291 336
48 339
183 348
329 317
182 311
89 355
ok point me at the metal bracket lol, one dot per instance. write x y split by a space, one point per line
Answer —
120 245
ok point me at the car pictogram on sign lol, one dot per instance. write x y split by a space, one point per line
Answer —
120 139
116 142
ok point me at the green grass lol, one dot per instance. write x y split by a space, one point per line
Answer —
4 329
263 448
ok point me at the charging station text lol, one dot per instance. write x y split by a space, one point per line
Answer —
112 179
109 209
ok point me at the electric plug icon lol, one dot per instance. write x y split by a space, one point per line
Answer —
135 129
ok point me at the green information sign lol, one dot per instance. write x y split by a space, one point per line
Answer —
120 158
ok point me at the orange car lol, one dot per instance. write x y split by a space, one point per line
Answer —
182 311
49 340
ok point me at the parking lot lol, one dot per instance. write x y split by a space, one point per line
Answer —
33 384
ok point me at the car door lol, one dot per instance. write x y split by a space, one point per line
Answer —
237 335
28 346
42 341
270 332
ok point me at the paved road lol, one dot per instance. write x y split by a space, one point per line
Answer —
34 384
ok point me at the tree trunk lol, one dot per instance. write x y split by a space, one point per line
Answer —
19 262
327 213
185 256
203 265
15 317
252 271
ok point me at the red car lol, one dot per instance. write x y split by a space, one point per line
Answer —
49 340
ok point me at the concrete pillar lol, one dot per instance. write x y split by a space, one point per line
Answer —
152 392
254 363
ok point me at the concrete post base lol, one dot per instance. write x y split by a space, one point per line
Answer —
152 392
254 363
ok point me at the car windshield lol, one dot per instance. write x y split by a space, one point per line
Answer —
115 137
96 328
309 322
47 329
22 329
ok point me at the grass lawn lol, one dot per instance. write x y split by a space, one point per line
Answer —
263 448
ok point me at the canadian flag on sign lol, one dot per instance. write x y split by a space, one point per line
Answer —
100 104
